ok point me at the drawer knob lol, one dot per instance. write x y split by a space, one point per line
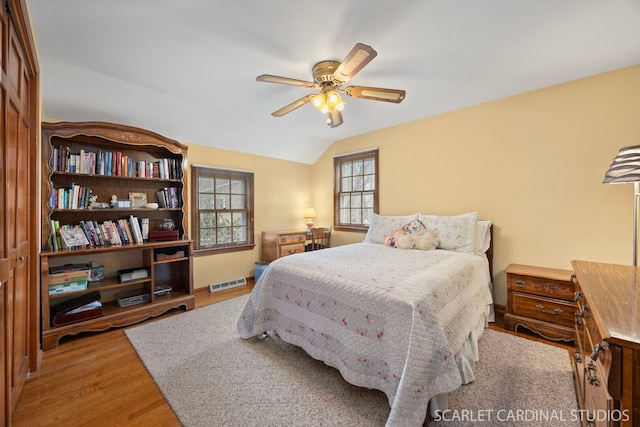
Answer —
579 315
292 251
520 283
555 311
593 380
576 296
597 349
576 356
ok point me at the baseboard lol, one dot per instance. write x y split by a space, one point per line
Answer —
499 308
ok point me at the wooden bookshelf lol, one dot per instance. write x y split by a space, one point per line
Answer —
167 262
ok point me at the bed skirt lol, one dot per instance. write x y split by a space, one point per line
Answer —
466 360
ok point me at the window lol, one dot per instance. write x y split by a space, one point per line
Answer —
356 190
223 209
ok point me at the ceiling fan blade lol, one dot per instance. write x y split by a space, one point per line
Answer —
360 55
295 104
376 93
283 80
334 118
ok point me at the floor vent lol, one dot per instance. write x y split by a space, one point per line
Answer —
233 283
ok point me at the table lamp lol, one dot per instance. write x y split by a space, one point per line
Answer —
626 169
309 214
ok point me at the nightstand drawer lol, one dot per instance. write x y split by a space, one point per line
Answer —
541 286
290 249
550 310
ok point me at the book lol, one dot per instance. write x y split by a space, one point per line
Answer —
54 234
135 229
144 225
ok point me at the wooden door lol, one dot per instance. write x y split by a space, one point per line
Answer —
4 278
18 118
5 420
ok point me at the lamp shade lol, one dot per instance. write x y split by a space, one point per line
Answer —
625 167
309 213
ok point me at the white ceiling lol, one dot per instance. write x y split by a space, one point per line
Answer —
186 69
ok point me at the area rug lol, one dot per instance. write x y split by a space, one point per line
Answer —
212 377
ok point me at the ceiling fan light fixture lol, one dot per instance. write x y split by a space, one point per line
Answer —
319 100
328 78
333 98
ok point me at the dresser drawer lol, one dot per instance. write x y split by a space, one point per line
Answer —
598 402
287 239
541 286
290 249
558 312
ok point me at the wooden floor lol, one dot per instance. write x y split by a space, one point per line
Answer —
98 380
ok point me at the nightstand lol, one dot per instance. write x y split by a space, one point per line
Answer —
541 300
280 243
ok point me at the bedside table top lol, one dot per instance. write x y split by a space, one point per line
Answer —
542 272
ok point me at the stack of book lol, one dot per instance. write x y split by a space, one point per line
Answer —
113 163
164 235
125 231
68 278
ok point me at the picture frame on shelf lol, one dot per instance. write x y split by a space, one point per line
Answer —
138 200
124 204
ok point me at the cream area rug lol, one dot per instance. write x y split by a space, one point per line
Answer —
212 377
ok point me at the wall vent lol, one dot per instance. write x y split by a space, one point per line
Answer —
233 283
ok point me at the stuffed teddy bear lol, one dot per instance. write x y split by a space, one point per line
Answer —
425 241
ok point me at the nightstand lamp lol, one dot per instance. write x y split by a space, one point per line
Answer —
626 169
309 214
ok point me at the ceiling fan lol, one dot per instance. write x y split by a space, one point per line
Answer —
328 77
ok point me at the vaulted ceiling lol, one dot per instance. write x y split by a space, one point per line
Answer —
187 69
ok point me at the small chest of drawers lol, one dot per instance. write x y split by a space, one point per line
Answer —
541 300
277 244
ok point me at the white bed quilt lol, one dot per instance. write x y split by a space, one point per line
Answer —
388 319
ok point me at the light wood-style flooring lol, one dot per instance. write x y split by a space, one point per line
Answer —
98 380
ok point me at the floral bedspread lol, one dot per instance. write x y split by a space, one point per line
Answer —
388 319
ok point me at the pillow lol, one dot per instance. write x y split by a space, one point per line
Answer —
483 236
457 233
382 226
414 227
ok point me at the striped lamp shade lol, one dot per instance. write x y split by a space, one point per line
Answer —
625 167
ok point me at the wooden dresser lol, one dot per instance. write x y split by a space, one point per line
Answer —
541 300
607 357
279 243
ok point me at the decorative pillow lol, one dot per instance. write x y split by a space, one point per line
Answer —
456 233
414 227
483 236
382 226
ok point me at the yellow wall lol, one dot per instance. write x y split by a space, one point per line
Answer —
281 192
531 163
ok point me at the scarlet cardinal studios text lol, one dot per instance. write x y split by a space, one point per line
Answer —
528 415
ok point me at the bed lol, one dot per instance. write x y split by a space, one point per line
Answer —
402 321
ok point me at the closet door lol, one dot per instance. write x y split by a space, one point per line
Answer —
18 119
4 262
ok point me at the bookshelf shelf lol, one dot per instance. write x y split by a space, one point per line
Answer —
154 168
